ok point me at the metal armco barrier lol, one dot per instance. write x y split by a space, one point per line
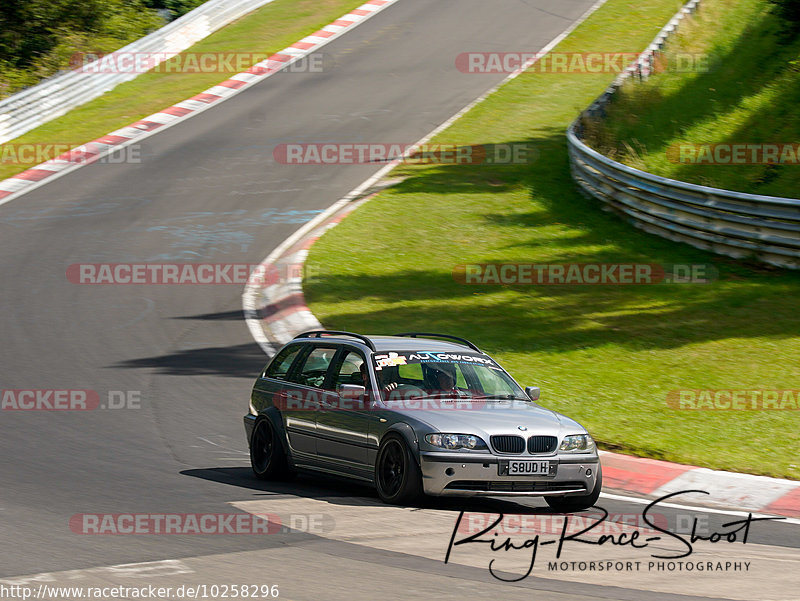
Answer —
735 224
52 98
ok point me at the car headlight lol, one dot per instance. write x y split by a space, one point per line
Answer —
577 443
456 441
253 410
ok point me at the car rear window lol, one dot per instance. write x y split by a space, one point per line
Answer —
279 368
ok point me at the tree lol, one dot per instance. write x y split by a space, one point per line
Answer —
789 12
38 37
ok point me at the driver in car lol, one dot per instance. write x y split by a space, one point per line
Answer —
441 378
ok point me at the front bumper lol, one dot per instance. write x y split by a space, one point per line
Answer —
472 474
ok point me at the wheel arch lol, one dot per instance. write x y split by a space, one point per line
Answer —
408 435
273 415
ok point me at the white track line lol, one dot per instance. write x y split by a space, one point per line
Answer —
250 294
698 508
196 107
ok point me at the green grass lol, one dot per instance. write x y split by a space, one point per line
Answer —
748 95
605 355
265 31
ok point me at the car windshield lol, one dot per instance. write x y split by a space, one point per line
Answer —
409 375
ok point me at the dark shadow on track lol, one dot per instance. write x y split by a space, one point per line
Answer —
340 491
240 361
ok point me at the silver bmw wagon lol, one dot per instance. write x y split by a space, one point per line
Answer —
415 414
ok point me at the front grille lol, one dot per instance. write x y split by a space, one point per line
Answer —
515 486
542 444
508 444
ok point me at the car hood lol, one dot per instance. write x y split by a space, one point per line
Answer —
489 418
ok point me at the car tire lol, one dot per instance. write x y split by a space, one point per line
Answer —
578 503
397 475
267 457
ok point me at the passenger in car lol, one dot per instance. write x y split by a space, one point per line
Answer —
387 380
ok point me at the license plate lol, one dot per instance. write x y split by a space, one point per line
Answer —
530 468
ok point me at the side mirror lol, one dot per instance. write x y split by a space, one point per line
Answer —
532 392
352 391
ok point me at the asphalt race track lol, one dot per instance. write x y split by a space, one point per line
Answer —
209 190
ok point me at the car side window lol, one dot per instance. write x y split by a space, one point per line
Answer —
279 368
491 382
315 367
349 371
